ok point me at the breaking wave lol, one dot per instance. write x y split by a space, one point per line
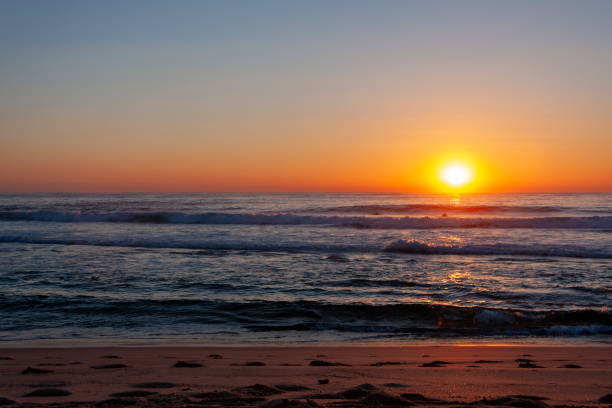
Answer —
418 247
416 208
279 316
398 246
406 222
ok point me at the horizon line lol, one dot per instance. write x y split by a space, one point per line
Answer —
302 192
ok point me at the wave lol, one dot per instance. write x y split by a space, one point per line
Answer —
446 208
417 247
336 250
278 316
217 218
202 246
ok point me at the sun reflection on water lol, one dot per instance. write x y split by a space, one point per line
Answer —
458 276
455 200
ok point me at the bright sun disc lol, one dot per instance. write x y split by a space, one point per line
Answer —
456 175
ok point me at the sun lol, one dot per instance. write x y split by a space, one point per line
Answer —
456 174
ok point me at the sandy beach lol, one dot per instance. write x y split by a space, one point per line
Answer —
308 376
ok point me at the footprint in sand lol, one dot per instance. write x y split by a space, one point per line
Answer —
108 366
133 394
186 364
321 363
154 385
31 370
48 392
435 363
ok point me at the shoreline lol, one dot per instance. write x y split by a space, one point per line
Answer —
578 341
562 375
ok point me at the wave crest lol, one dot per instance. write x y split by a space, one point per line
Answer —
218 218
452 208
398 246
262 316
411 246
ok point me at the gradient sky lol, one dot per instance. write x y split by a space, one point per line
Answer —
304 96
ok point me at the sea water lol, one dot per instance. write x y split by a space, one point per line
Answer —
294 268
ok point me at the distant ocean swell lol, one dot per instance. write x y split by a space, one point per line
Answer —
216 218
412 208
398 246
418 319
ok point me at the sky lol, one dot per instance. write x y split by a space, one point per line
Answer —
329 96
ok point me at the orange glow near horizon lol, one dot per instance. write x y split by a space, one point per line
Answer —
458 173
287 171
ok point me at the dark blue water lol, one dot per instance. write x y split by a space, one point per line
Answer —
204 268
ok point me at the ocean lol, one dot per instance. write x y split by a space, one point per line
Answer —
305 268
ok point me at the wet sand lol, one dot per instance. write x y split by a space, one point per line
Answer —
308 376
